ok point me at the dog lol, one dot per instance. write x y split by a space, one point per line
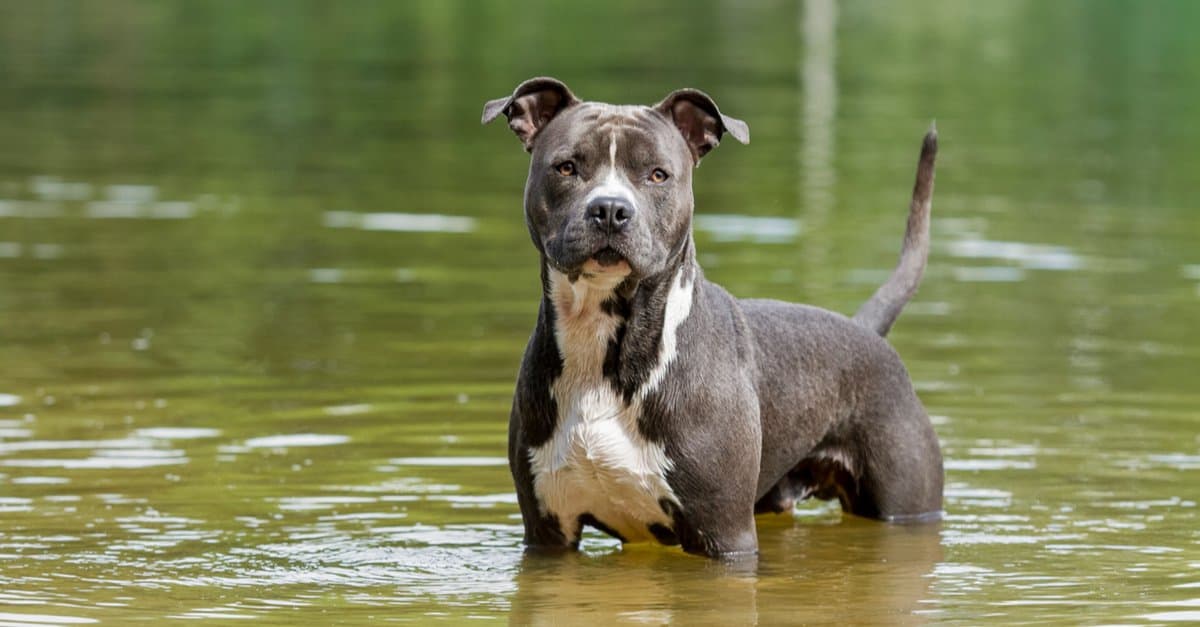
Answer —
653 405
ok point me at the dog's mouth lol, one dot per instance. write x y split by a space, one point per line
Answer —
597 258
608 257
606 264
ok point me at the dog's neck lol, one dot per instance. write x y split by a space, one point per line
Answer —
620 327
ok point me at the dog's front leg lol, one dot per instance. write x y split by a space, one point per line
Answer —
718 521
715 476
543 532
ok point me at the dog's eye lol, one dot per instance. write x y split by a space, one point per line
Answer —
566 168
659 175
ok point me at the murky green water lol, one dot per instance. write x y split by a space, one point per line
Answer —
264 285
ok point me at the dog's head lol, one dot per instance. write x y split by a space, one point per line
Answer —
610 186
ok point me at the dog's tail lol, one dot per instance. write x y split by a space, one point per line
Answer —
881 311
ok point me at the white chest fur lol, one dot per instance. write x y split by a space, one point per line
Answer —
597 462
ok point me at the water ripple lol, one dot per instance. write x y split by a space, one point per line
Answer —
296 440
11 618
177 433
415 222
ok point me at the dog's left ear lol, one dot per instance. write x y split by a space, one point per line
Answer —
531 105
700 121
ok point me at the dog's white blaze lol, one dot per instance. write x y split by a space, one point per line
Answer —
613 184
597 462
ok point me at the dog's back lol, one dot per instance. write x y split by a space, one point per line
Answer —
837 393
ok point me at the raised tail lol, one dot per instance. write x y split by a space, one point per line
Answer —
881 311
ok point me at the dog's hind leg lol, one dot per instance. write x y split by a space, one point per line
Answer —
887 469
902 472
894 470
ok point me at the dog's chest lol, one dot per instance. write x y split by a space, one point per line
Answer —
597 462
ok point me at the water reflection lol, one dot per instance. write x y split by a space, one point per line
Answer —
177 433
756 229
646 585
26 620
126 453
55 198
412 222
292 440
1030 256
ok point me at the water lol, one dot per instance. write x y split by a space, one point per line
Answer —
264 285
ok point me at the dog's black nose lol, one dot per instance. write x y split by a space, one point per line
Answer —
609 213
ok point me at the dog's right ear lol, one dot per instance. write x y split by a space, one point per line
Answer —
531 105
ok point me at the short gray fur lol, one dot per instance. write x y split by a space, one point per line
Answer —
765 402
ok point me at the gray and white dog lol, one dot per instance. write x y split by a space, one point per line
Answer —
651 404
